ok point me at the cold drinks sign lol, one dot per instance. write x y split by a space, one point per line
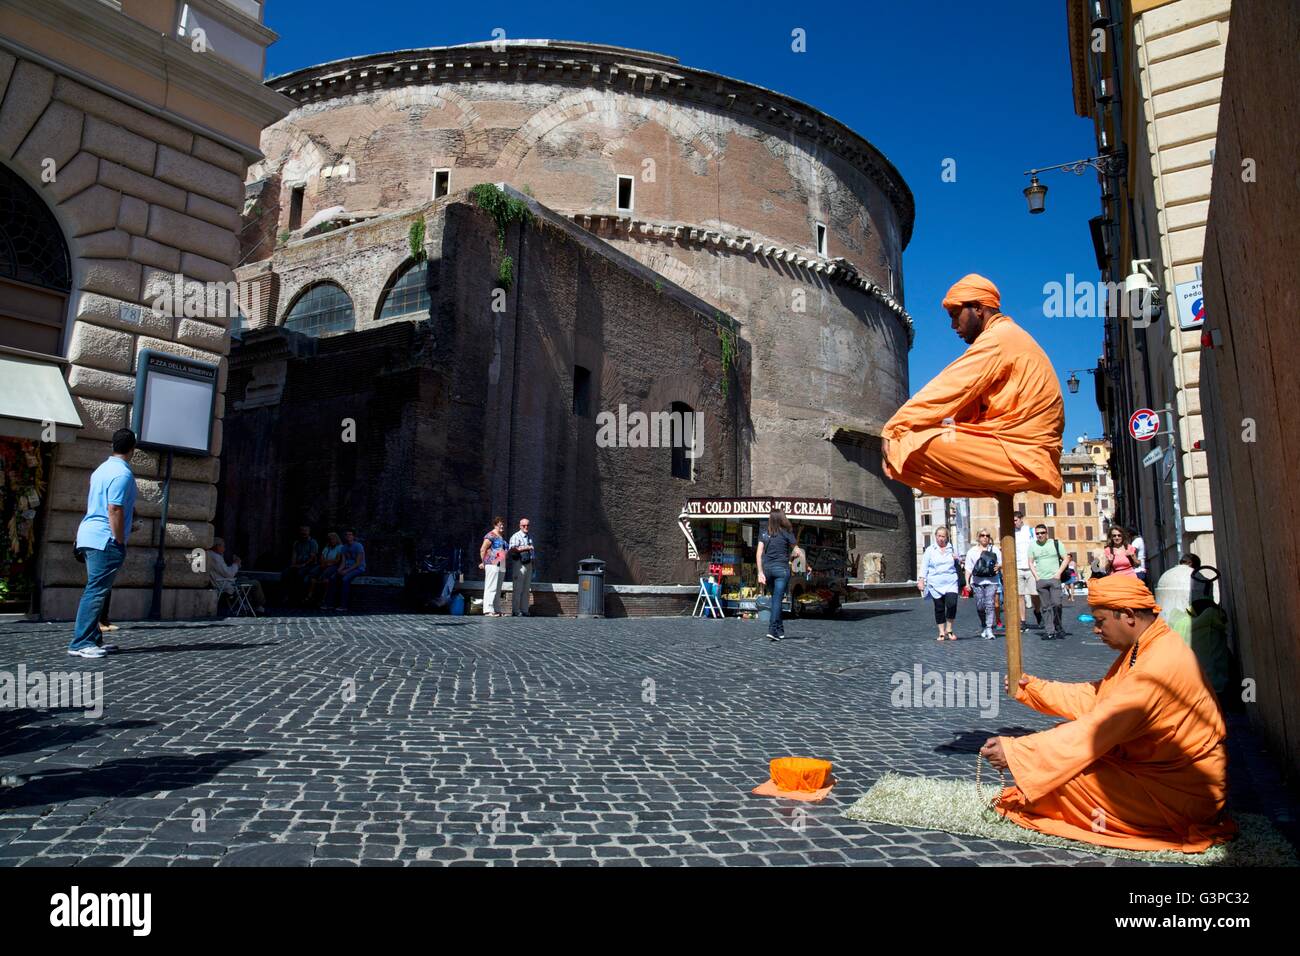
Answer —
806 508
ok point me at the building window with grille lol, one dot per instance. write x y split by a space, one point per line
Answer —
407 295
323 309
683 452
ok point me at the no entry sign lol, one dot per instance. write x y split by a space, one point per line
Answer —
1144 424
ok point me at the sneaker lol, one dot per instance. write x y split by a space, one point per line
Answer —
109 648
988 633
91 651
775 637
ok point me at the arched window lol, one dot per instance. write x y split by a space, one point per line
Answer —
321 310
407 295
35 271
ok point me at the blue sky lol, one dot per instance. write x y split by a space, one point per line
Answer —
987 85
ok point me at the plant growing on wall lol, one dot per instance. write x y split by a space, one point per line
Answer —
727 338
503 211
417 240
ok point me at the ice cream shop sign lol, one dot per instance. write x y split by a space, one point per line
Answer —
815 509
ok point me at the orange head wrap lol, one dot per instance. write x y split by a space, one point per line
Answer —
973 288
1121 591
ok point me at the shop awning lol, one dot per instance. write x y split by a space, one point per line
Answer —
34 395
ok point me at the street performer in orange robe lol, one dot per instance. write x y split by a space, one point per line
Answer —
991 421
1142 762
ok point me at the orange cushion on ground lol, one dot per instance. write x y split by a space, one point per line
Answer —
802 774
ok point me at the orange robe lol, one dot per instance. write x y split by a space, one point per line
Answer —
1142 764
1007 418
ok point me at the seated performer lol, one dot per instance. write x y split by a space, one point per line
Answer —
1142 763
991 421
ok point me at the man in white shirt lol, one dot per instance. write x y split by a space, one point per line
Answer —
1026 579
523 552
223 575
1140 547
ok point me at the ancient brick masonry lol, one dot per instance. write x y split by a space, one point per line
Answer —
769 211
472 411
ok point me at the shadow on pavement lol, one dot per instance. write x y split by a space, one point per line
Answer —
970 741
201 646
848 613
128 777
16 737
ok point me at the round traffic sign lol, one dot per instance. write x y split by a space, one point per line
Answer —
1143 424
1198 310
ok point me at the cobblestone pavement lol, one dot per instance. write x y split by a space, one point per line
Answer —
396 740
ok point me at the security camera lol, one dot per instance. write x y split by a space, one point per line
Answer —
1142 296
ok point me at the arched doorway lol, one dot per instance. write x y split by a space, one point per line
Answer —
36 410
35 270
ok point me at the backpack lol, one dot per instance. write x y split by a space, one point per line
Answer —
986 565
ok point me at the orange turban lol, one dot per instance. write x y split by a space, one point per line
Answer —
1121 591
973 288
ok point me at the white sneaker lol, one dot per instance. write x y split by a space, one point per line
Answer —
988 634
91 651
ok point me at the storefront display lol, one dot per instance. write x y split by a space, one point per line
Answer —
22 490
723 533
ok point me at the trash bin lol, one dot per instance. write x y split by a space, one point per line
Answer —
591 587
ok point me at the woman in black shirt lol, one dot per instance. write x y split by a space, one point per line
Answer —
776 547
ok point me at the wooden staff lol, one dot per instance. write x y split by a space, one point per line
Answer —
1010 589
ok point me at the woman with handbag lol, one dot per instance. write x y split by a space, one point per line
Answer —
492 561
1119 556
937 580
983 562
777 547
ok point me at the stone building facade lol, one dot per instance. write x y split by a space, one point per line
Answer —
771 213
126 129
1152 93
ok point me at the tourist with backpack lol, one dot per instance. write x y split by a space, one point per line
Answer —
1049 565
983 562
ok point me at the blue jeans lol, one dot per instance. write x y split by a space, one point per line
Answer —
101 569
344 583
779 577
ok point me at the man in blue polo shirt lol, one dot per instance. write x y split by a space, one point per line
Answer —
101 539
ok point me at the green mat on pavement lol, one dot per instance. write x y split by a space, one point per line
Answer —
954 806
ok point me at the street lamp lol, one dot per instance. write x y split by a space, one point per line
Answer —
1072 383
1107 165
1036 193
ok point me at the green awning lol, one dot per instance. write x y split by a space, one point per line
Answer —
34 395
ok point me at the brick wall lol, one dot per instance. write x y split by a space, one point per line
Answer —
470 413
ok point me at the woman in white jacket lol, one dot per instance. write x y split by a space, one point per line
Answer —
985 586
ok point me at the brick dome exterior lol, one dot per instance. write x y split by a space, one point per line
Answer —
732 189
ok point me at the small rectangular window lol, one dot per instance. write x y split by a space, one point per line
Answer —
295 206
625 194
1087 532
581 392
1074 532
1049 509
927 520
1087 486
1069 509
1087 509
821 239
927 541
441 183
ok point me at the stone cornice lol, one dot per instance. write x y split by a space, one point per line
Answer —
163 58
589 64
836 270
